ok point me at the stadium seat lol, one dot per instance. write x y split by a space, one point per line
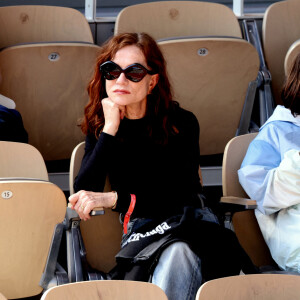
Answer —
48 82
106 290
171 20
167 19
2 297
239 209
251 287
40 23
210 77
19 160
75 163
293 51
101 235
280 29
31 228
243 221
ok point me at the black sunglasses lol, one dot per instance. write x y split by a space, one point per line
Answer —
134 72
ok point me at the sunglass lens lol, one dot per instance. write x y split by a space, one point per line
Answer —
135 74
110 71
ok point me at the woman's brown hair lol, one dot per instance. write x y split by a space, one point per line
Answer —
291 90
158 103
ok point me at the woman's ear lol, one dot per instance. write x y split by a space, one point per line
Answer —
153 82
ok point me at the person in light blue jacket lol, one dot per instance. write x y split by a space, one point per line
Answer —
270 174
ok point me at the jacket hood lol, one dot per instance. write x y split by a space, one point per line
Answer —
283 114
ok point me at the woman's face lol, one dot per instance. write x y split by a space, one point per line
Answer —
124 92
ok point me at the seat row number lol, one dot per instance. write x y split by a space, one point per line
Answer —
202 52
54 56
6 194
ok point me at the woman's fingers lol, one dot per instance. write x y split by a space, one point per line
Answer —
112 116
80 206
73 199
84 202
110 107
85 212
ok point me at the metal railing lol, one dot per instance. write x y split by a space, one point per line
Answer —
91 5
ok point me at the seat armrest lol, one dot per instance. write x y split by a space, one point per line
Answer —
71 214
234 204
95 212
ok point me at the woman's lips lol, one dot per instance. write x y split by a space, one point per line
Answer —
122 92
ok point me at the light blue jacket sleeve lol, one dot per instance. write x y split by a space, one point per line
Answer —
258 167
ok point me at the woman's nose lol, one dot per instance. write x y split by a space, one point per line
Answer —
122 78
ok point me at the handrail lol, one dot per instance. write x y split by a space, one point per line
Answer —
238 7
90 9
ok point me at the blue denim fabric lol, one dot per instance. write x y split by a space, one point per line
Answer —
207 215
178 272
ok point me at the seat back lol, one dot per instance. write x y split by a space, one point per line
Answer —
29 213
21 160
48 83
234 154
249 287
244 223
293 51
40 23
281 28
2 297
210 77
102 234
75 163
178 18
106 290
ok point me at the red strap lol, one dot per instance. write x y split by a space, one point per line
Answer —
129 212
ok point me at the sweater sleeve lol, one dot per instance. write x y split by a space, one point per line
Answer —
257 170
94 165
263 173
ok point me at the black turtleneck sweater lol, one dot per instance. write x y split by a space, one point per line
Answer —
164 178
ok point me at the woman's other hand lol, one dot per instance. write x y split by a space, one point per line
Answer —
113 114
84 202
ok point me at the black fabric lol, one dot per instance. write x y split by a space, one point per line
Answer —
218 248
164 178
11 126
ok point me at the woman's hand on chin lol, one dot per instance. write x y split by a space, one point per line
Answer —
113 114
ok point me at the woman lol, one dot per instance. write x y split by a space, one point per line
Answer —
149 148
270 174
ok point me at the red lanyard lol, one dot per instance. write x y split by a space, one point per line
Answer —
129 212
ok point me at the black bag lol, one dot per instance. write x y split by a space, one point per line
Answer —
218 248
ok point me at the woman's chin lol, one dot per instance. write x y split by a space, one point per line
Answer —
120 100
